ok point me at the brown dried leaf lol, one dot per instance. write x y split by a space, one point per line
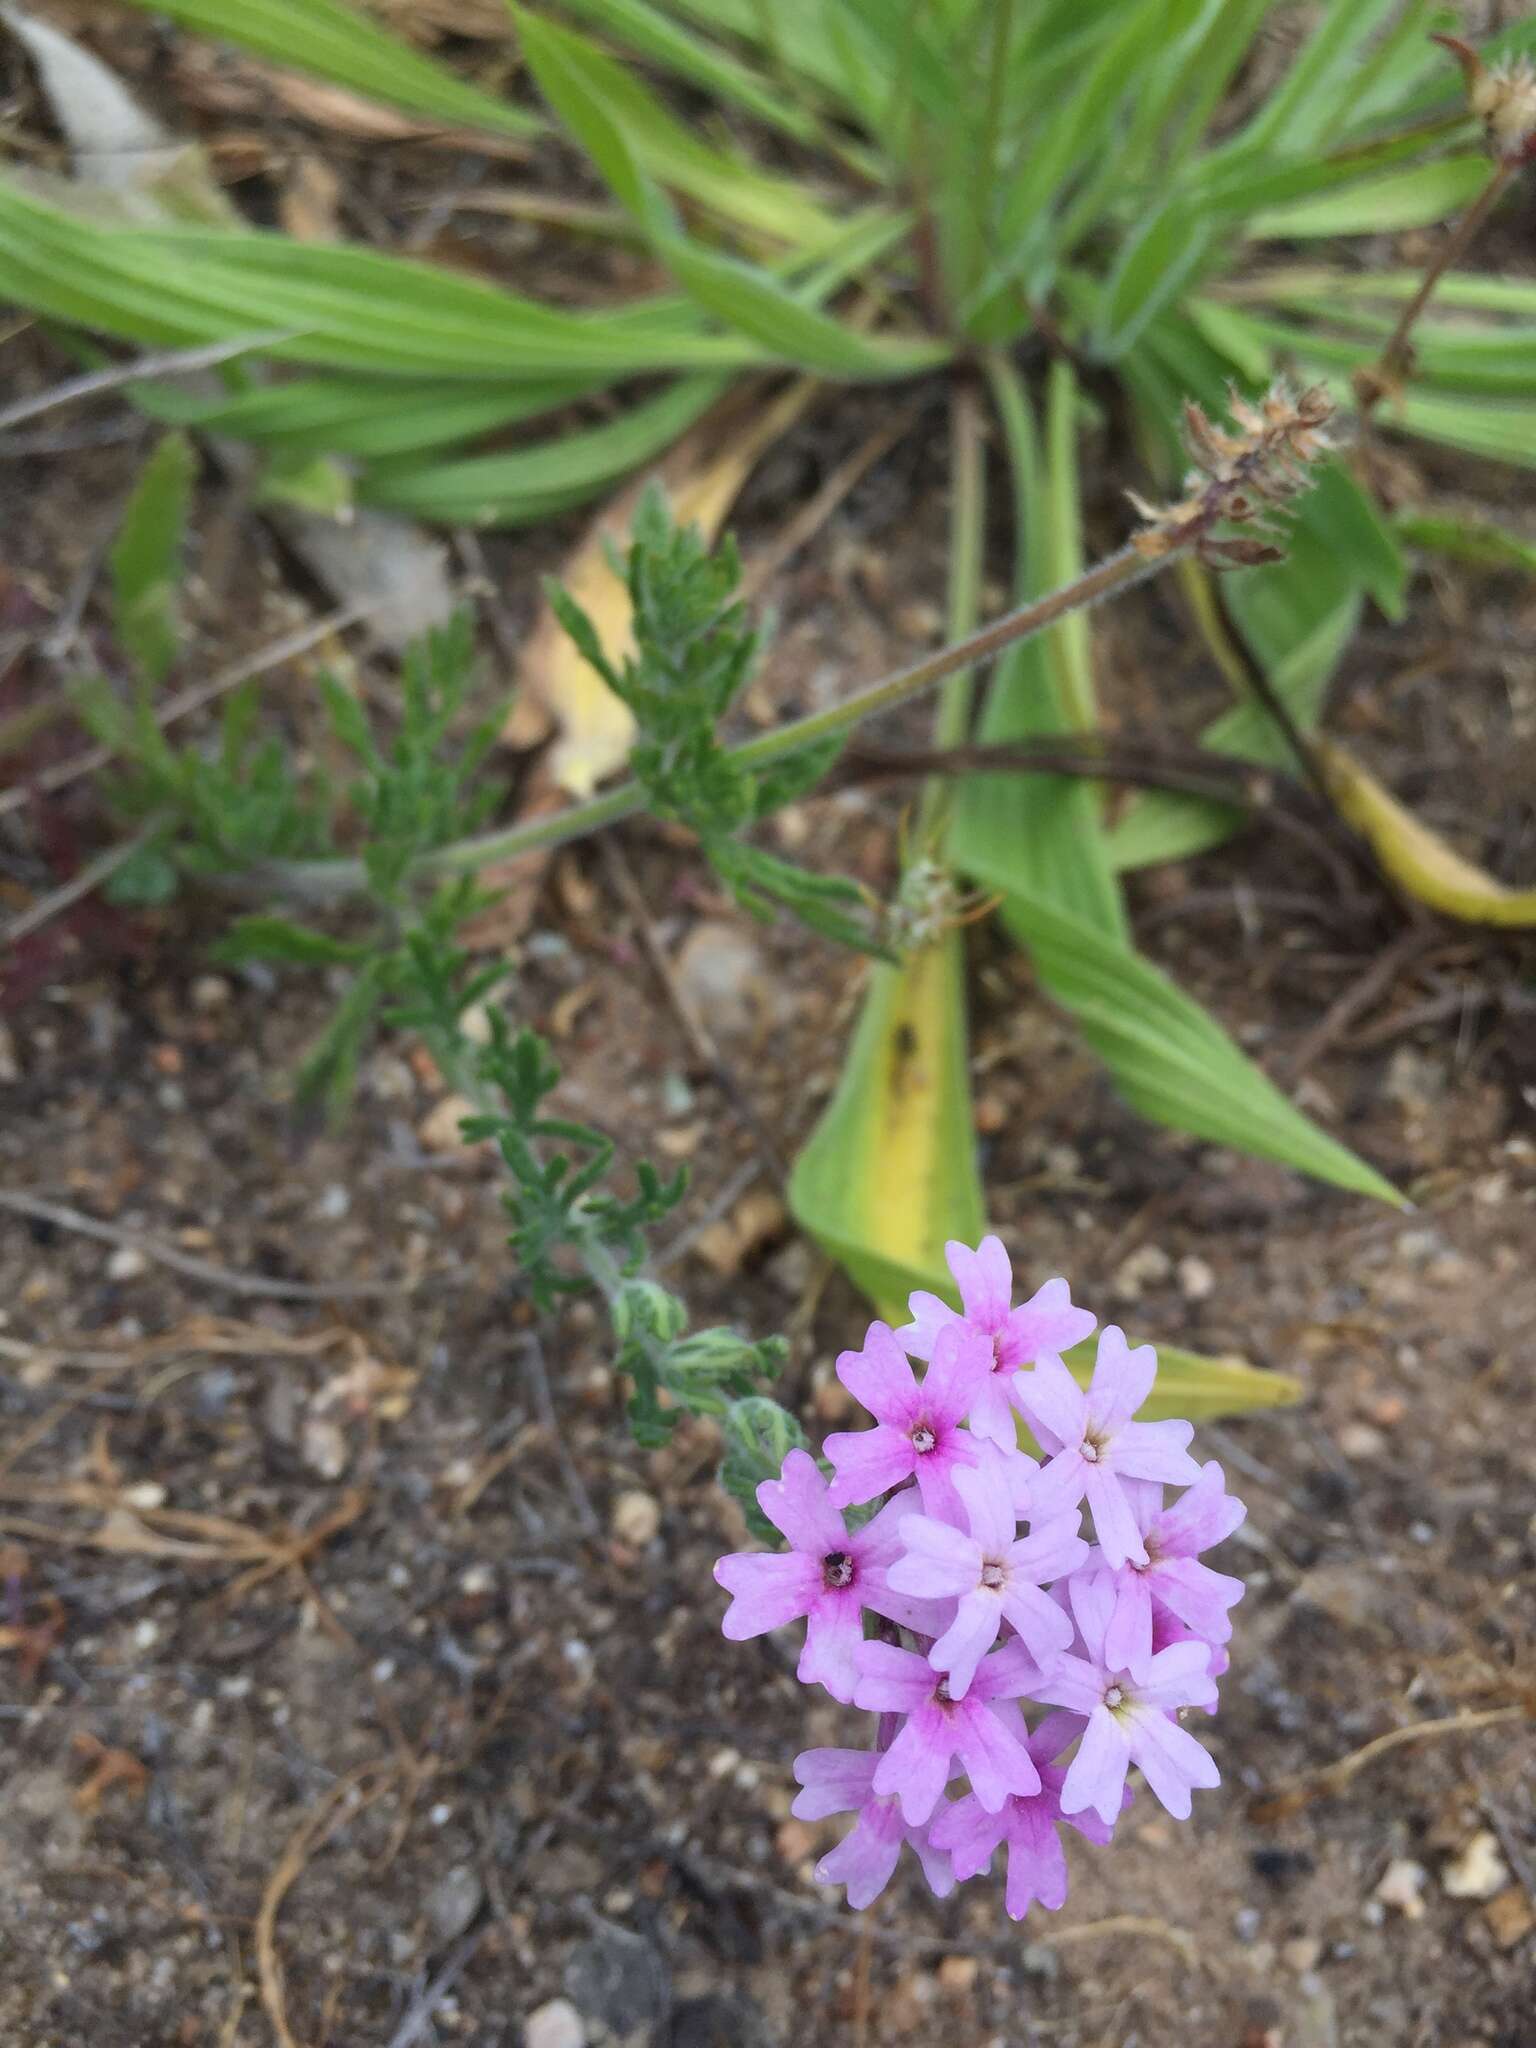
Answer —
702 477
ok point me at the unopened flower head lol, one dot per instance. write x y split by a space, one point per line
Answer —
1015 1672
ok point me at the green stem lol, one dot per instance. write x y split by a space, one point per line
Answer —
328 880
967 537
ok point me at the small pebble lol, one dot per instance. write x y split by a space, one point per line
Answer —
1478 1872
1246 1922
210 992
1358 1440
555 2025
127 1263
1196 1280
1302 1955
454 1901
636 1518
1148 1266
1402 1886
957 1974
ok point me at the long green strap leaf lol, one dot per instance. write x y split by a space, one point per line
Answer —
334 42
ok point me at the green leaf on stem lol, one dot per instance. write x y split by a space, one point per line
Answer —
146 561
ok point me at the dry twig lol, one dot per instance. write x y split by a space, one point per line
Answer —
195 1269
1291 1794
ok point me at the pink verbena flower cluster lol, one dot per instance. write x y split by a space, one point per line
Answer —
972 1593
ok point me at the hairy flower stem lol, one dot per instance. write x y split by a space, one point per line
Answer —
455 1059
1380 379
327 880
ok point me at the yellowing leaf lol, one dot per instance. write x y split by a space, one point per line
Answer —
890 1170
1193 1386
1413 856
702 478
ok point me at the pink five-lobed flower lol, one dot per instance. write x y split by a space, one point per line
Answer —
941 1734
842 1781
1028 1823
829 1575
1094 1445
1015 1336
1173 1578
1130 1714
995 1574
918 1432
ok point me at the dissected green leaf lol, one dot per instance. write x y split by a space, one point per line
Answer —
146 558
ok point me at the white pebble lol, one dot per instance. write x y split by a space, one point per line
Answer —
555 2025
127 1263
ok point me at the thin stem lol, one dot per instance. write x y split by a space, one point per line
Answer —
967 535
1374 383
325 880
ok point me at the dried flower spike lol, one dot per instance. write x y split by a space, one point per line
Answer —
1239 474
1503 97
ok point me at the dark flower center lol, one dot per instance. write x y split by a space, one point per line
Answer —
924 1437
1114 1697
992 1576
941 1693
837 1570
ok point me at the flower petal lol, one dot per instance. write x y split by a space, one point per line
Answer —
962 1361
1128 1638
1073 1683
1043 1629
864 1859
916 1767
986 1488
834 1632
929 1316
1053 1404
1113 1522
969 1833
995 1760
1154 1450
769 1590
891 1680
1096 1776
1122 1378
991 1415
1046 1322
796 1503
1057 1732
868 1462
985 1280
1198 1596
880 1377
1204 1516
937 1867
1179 1676
1170 1760
832 1781
967 1640
1037 1863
